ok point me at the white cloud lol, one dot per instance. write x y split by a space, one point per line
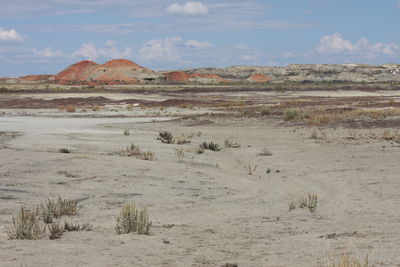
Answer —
197 44
48 52
188 9
10 35
161 49
91 52
336 44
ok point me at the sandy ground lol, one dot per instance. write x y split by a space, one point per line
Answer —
206 209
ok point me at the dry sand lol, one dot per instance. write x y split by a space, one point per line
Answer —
205 209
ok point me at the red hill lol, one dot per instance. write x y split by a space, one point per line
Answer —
117 71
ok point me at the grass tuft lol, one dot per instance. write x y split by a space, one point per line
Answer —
133 219
210 146
26 226
166 137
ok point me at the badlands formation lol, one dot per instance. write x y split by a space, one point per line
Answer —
123 71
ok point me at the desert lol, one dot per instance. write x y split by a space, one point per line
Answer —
300 174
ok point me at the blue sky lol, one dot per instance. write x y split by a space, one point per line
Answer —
45 36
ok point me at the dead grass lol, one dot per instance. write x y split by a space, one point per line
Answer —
346 261
133 219
309 202
56 231
55 208
134 151
26 226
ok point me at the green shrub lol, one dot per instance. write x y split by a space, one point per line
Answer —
295 114
166 137
210 146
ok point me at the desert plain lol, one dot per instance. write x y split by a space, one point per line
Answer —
207 208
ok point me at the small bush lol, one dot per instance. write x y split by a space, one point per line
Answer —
181 140
345 261
166 137
296 115
70 108
56 231
70 227
56 208
199 151
126 132
135 151
64 150
26 226
229 143
309 202
180 154
210 146
265 112
250 170
133 219
265 152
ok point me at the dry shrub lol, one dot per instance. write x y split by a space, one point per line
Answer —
265 152
249 169
56 208
96 108
70 108
345 261
133 219
64 150
182 140
135 151
296 115
180 154
231 144
309 202
70 227
26 226
56 231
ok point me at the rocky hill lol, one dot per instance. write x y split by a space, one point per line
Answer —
307 73
122 71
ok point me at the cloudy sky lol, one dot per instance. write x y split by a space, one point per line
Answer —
45 36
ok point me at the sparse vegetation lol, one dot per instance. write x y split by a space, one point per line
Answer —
265 112
199 151
265 152
231 144
70 227
26 226
133 219
345 261
181 140
56 208
64 150
56 231
66 174
309 202
166 137
180 154
296 115
210 146
249 169
135 151
70 108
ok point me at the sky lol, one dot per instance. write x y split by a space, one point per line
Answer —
46 36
